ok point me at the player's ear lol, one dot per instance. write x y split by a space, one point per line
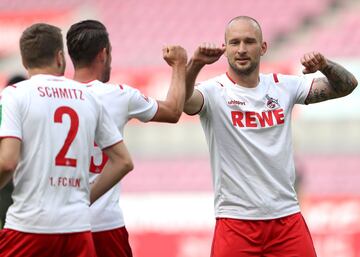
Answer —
263 48
102 55
60 59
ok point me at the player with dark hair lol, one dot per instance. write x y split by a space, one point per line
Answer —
90 50
48 125
246 118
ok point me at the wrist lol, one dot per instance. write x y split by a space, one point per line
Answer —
325 66
195 64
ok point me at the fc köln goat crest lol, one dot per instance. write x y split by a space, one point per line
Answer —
272 103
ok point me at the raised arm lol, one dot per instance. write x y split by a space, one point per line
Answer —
171 109
206 53
338 81
9 158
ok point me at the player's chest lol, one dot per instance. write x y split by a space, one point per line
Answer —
267 108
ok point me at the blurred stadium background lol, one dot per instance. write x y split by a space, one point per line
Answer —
167 200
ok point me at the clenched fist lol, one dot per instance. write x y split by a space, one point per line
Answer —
313 62
207 53
175 55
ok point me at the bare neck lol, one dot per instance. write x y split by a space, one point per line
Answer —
46 70
86 74
250 81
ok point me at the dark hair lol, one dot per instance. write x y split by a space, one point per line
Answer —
85 40
39 45
15 79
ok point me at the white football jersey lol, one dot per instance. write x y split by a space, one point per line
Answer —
122 103
249 137
57 120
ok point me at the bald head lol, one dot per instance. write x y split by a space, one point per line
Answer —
246 20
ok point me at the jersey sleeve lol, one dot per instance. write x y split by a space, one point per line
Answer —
299 87
304 87
107 134
205 89
141 107
10 114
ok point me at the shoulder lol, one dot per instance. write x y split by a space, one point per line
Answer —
214 83
286 79
17 89
108 88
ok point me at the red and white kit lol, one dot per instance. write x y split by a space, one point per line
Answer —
57 120
249 136
248 131
122 103
107 222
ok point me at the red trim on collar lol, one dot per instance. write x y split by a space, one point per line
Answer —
276 79
233 81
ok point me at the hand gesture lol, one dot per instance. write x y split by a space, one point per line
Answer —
313 62
207 53
175 55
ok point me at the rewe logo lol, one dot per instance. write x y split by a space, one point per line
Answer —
256 120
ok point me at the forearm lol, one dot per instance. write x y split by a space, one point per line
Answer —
340 79
175 98
107 179
192 71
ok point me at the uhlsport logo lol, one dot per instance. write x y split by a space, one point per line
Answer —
235 102
272 103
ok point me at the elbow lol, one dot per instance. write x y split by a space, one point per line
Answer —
6 172
8 166
128 165
175 116
353 84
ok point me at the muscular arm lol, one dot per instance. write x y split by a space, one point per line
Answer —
338 81
171 109
206 53
9 158
194 99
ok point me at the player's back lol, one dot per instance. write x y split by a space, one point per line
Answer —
58 119
123 103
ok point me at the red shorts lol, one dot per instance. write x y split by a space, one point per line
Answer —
112 243
19 244
282 237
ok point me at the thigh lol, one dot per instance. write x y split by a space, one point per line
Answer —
18 244
112 243
236 238
290 237
78 245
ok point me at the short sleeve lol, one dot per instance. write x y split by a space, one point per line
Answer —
10 114
141 107
107 134
303 89
204 89
298 87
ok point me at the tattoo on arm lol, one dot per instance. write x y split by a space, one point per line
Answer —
338 82
319 93
340 79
